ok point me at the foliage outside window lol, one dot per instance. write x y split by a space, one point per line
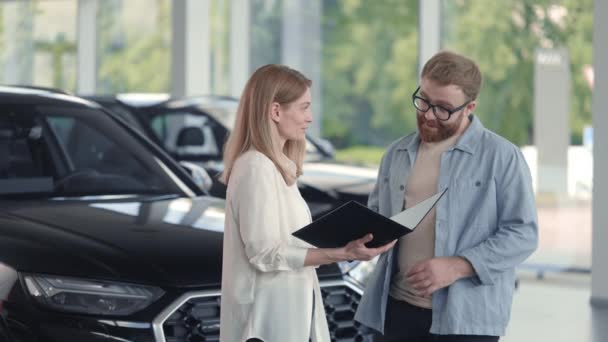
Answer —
502 37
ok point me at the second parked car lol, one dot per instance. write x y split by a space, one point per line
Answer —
195 129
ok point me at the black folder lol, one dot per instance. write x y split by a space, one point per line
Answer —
353 220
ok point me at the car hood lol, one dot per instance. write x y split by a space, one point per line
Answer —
340 178
173 242
161 241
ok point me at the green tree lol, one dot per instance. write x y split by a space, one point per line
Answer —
370 62
502 36
129 62
1 40
265 33
219 20
369 69
57 48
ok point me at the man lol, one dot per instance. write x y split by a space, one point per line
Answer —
452 279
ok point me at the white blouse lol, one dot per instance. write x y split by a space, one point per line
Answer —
267 293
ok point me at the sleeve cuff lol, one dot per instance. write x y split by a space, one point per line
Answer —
482 273
295 257
283 258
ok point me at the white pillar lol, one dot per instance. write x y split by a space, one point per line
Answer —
18 50
429 28
301 47
599 269
87 46
240 51
551 120
190 51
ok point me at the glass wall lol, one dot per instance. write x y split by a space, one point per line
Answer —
219 36
134 46
524 48
38 43
370 56
266 23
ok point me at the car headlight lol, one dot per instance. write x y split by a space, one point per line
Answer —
90 296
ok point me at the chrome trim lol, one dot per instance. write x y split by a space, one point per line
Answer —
125 324
346 281
109 337
157 323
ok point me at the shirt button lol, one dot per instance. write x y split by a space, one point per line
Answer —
402 187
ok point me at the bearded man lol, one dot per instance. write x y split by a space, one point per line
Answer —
452 279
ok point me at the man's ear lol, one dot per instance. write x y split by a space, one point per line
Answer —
471 106
275 112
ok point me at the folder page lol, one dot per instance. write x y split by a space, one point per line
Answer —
353 220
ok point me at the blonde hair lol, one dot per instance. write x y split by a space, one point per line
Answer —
253 126
447 68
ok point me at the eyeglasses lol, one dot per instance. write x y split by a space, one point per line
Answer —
440 112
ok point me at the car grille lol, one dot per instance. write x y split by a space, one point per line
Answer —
197 319
341 302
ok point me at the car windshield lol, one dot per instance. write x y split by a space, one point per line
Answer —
65 151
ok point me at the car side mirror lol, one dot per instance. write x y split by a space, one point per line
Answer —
199 175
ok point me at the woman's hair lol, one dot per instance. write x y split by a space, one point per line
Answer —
448 68
253 127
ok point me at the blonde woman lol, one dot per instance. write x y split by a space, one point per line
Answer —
270 291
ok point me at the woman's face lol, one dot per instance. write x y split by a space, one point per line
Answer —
293 119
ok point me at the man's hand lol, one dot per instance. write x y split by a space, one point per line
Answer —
433 274
356 249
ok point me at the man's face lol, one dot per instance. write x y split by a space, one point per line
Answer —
449 97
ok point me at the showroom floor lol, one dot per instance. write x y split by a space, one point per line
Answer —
556 309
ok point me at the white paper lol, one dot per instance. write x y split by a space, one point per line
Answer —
411 217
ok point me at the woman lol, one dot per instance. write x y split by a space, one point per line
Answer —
270 290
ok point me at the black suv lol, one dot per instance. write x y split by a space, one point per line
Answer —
104 237
195 128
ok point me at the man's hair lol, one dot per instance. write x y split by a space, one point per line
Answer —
272 83
448 68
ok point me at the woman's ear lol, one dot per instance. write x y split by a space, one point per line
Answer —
275 112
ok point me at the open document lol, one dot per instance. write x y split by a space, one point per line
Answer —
353 220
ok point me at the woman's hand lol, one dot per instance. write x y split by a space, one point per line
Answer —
356 249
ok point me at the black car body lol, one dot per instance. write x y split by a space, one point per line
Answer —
195 129
104 237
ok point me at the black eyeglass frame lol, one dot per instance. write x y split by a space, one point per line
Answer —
450 111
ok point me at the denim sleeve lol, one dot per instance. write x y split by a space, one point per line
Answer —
373 201
516 236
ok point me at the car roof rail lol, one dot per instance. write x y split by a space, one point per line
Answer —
43 88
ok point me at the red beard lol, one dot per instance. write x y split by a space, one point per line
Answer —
435 130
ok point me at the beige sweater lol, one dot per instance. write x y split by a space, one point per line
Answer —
420 244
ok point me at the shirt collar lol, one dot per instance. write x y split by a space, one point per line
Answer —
471 136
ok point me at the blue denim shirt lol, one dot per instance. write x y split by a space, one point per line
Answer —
487 216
